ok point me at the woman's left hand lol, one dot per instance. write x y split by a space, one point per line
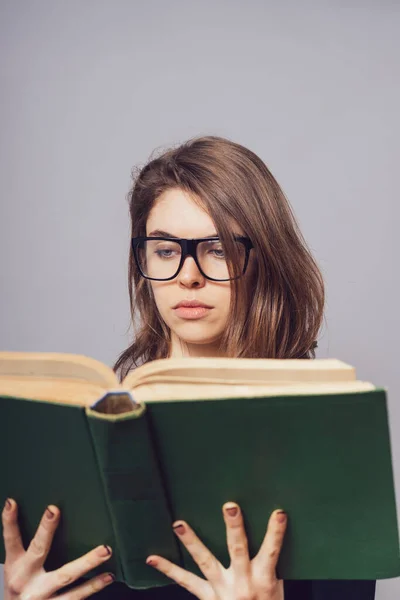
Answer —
244 579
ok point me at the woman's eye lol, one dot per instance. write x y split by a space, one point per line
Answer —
165 253
218 252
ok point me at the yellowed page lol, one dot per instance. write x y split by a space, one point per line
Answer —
239 371
157 391
57 366
63 391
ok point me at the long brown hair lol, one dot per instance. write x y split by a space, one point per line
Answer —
282 315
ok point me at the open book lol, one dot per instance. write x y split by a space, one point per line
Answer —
75 379
179 437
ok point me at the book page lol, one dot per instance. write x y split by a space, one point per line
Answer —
57 366
50 390
55 377
154 392
239 371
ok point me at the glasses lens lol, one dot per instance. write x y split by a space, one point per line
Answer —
159 259
213 260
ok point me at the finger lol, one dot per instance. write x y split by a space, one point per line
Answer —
40 545
206 561
237 540
268 555
12 537
75 569
88 588
194 584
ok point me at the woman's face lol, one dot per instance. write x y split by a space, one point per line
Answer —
176 214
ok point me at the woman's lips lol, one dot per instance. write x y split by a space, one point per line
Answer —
192 312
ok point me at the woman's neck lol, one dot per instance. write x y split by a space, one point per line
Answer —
180 349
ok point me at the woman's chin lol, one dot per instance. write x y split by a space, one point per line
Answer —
196 335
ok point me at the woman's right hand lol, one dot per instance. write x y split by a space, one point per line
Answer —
24 575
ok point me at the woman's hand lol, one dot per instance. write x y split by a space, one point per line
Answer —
24 575
245 579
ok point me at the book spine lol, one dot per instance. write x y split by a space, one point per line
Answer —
135 495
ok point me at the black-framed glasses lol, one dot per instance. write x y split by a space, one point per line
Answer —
161 258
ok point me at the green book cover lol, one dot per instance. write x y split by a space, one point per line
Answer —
123 479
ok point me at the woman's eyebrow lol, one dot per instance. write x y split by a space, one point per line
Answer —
160 233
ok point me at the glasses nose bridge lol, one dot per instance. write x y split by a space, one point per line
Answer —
189 248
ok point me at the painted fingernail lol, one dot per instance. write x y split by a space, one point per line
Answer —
104 551
281 516
179 529
232 511
109 578
49 513
151 561
8 505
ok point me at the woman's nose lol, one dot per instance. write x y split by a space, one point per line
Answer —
189 275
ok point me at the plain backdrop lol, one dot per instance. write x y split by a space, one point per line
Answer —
89 88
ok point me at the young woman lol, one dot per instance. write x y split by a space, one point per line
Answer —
218 267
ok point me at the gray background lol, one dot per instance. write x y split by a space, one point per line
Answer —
90 88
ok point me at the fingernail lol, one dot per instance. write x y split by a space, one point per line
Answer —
179 529
281 516
151 561
49 513
109 578
104 551
8 504
232 511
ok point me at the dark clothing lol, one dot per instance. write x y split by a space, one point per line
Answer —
329 590
294 590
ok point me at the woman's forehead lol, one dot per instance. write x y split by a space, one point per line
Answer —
177 213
